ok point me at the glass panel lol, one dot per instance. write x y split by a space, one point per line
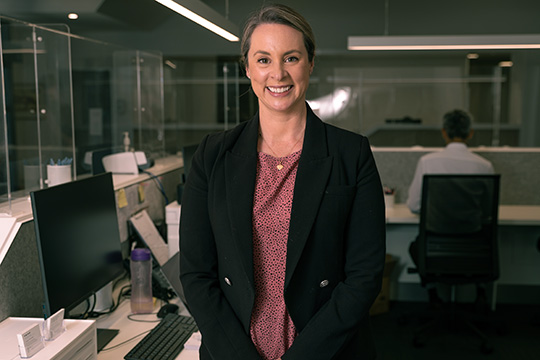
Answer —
204 95
394 98
67 98
151 138
20 55
53 101
96 102
5 195
401 101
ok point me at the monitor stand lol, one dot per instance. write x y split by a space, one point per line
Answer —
104 336
103 298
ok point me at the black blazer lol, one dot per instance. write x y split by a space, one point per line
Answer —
335 251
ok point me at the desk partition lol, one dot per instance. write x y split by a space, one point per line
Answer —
519 169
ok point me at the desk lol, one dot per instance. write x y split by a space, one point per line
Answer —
526 215
129 329
519 261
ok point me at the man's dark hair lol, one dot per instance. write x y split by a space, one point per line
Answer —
457 124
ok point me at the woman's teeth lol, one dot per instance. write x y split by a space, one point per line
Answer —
279 89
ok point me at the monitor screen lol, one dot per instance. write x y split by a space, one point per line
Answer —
78 240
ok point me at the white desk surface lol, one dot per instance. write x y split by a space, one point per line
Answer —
10 327
528 215
129 329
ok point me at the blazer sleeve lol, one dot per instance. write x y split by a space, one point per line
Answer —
335 323
222 333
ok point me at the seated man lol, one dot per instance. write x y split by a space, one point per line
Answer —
456 158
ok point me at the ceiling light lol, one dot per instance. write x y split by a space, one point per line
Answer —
197 11
472 56
506 63
445 42
170 64
73 16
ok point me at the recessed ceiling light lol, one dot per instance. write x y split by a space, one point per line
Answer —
73 16
170 64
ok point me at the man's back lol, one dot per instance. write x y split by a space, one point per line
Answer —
454 159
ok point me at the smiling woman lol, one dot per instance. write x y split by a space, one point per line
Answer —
282 225
279 68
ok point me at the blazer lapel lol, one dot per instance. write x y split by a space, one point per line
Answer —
311 179
240 173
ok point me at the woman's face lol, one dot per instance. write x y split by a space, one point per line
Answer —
279 68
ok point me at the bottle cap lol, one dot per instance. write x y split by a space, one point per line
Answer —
140 254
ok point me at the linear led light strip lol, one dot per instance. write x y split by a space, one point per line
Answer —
467 42
198 19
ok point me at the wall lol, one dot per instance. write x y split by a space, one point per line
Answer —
20 280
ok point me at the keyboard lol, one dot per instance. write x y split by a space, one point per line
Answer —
166 339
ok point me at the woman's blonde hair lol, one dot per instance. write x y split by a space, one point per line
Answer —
277 14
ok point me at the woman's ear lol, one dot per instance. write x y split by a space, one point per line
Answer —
247 73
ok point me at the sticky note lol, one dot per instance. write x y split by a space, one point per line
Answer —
122 198
141 193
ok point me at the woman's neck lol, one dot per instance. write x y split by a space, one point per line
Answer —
276 125
281 135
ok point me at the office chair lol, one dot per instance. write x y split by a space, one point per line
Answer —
457 244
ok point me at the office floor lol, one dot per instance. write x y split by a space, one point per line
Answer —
520 340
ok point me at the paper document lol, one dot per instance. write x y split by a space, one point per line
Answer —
151 236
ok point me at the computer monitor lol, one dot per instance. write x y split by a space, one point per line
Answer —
78 240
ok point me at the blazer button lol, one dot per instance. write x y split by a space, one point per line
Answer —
324 283
227 281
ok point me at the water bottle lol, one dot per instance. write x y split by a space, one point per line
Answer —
141 281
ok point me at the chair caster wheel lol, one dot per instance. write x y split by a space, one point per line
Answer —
486 348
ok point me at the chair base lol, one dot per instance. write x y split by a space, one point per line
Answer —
455 317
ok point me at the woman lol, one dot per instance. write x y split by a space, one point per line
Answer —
282 228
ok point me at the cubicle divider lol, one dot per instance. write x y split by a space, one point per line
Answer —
519 169
20 278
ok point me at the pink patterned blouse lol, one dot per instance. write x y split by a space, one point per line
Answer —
272 329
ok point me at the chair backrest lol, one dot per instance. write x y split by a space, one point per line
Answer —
457 241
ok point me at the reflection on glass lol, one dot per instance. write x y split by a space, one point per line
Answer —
330 106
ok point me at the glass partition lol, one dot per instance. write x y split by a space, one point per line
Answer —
66 99
139 113
397 99
203 95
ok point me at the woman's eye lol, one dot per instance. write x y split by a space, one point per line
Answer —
263 61
291 59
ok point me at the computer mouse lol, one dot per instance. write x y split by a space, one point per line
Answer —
166 309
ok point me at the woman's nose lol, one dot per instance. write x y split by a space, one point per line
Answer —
278 71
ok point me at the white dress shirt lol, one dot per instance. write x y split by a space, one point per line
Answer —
456 158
